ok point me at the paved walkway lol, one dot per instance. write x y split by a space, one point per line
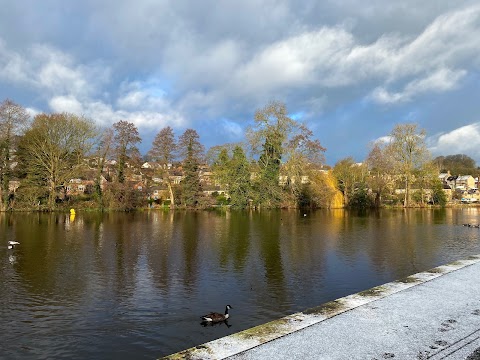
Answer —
431 315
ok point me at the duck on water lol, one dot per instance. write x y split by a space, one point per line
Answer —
12 244
472 225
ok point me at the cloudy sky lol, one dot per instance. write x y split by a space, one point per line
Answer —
349 69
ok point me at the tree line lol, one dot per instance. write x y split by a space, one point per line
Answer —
399 170
280 164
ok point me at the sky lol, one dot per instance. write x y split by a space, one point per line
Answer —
350 70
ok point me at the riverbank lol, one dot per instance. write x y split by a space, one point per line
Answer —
430 315
92 206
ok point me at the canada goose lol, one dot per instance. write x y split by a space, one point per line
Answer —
217 317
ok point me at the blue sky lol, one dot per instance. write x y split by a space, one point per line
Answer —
349 69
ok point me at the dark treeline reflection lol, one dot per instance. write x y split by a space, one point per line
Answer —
133 285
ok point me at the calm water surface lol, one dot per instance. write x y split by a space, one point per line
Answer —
129 286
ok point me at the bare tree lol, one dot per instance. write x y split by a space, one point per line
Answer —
410 152
163 151
103 151
54 147
381 165
304 157
13 118
284 147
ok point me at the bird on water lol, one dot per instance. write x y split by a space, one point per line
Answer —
12 244
217 317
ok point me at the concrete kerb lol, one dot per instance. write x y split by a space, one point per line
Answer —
258 335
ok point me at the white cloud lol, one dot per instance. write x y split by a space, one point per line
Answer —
32 112
180 63
398 67
463 140
140 94
50 71
67 86
383 139
105 114
440 81
66 104
304 58
13 67
232 129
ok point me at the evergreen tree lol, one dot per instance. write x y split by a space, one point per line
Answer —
192 152
221 168
126 138
191 182
268 190
240 186
438 194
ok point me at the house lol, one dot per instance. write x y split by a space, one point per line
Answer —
176 179
465 182
80 186
135 178
157 192
207 177
444 176
451 181
176 176
283 180
147 165
476 182
448 191
219 192
137 185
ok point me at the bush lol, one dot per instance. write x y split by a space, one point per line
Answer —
361 199
438 195
28 198
222 200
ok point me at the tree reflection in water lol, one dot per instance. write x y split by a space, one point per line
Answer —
133 285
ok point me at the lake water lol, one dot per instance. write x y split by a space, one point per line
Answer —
134 285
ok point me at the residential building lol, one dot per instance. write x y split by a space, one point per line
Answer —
465 182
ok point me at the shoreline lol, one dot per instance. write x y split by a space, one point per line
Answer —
282 334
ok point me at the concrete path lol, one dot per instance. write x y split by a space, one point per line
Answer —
430 315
